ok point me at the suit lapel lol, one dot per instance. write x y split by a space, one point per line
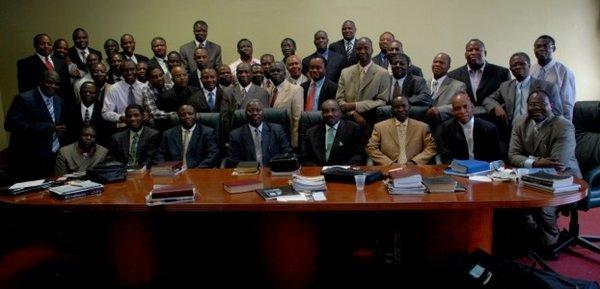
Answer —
249 142
266 141
126 143
178 142
367 78
39 99
194 138
443 87
237 94
406 85
394 132
484 78
512 97
336 140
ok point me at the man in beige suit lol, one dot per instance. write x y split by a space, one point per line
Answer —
400 139
287 96
363 87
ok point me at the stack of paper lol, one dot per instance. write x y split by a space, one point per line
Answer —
304 183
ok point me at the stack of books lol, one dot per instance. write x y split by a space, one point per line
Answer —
242 186
76 189
246 168
404 182
168 169
303 183
28 186
440 184
165 194
550 182
467 168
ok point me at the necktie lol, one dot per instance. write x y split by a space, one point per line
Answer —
310 99
269 83
348 50
130 97
243 92
329 141
542 74
86 117
48 64
133 150
469 137
258 145
50 106
396 91
200 45
186 140
361 76
211 101
274 98
83 57
518 103
434 88
402 144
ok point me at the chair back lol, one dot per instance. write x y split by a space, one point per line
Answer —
274 115
586 116
308 119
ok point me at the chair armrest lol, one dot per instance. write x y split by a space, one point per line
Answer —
592 176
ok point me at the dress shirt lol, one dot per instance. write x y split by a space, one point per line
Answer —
185 141
319 85
557 73
43 58
132 58
87 52
353 42
402 130
149 95
89 109
301 79
475 78
116 99
325 54
521 103
468 132
245 90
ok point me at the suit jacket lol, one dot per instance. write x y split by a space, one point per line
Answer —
32 129
70 160
340 48
77 60
30 70
152 63
194 80
383 146
442 99
146 148
138 57
335 63
555 139
74 122
203 150
452 144
415 88
171 99
232 97
413 69
241 145
507 94
214 55
291 98
373 91
202 104
493 76
328 91
347 148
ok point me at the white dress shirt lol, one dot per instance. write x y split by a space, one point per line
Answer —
117 97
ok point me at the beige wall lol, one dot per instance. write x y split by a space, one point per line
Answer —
425 27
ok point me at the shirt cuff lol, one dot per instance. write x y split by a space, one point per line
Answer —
529 162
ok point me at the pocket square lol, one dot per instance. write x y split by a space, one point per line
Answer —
340 144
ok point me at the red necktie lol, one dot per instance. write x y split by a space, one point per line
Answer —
274 98
48 64
310 99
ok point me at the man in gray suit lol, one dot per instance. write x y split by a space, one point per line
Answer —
237 96
542 139
363 86
443 88
200 34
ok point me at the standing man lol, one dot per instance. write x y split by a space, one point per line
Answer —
159 48
548 69
266 61
381 58
156 86
239 95
245 50
337 142
294 68
288 47
443 88
180 93
347 45
201 58
405 84
128 52
401 139
363 87
80 51
122 94
214 50
335 61
466 136
210 97
319 88
35 123
30 69
481 77
287 96
394 48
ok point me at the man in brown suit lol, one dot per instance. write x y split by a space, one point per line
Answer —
401 139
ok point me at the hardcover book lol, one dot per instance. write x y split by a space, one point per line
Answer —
469 166
241 186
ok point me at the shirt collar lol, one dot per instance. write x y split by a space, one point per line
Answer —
469 124
480 69
335 126
525 82
191 130
247 88
87 51
549 65
198 43
139 132
440 80
214 91
43 95
281 85
399 123
401 80
351 41
260 127
366 67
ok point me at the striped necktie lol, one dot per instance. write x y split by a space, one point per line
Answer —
50 106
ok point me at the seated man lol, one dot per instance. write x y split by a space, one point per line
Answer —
258 141
542 139
180 92
194 144
466 136
338 142
81 155
400 139
136 145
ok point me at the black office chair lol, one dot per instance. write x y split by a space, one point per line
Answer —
586 117
308 119
274 115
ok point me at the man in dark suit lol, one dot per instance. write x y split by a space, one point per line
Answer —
136 145
80 51
114 72
190 142
214 50
394 48
35 122
338 142
128 46
159 48
88 112
466 136
210 97
319 88
481 77
403 83
30 69
201 58
258 140
335 61
180 93
381 58
347 45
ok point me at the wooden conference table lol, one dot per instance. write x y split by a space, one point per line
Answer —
455 222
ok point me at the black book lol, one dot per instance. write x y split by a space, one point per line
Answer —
274 193
440 184
548 180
